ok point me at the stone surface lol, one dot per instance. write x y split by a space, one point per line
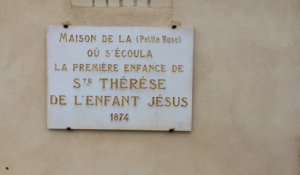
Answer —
161 3
142 3
245 105
100 3
128 3
81 3
114 3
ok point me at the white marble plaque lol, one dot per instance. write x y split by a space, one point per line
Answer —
120 78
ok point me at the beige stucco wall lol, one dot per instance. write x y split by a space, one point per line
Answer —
246 106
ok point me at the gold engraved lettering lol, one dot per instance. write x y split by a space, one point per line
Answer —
171 40
76 101
147 39
127 40
119 53
160 101
75 38
132 83
89 100
103 81
62 68
114 83
116 101
59 100
77 83
149 68
95 67
107 100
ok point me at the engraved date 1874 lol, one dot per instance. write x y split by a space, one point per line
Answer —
119 117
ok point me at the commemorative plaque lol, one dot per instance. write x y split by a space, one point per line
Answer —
119 78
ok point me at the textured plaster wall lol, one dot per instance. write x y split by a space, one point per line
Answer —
246 108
